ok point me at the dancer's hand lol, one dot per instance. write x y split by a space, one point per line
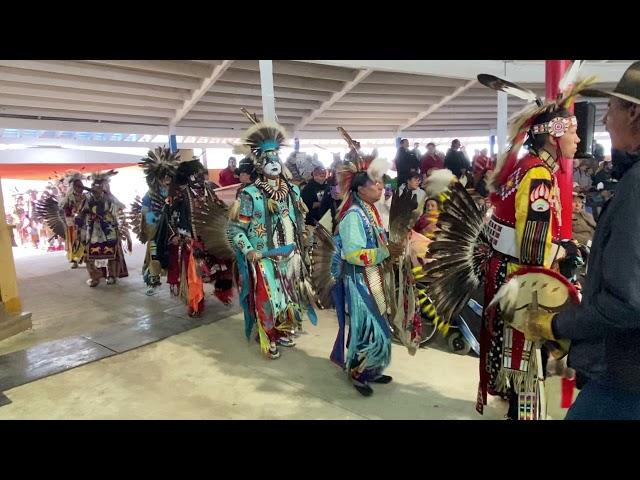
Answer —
535 324
395 249
254 256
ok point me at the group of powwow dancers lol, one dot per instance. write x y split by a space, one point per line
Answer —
385 281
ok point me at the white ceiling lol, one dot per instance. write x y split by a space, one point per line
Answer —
202 98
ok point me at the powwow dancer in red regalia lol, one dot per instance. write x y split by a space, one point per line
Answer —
522 238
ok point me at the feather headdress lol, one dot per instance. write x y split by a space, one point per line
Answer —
101 177
158 164
188 170
264 139
66 179
371 165
524 125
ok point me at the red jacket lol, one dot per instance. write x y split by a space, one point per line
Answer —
481 165
430 161
227 177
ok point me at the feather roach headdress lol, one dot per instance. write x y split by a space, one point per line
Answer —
262 141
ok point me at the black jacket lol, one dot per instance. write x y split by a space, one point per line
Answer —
311 193
456 161
605 328
406 161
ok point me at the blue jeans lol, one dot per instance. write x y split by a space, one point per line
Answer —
602 402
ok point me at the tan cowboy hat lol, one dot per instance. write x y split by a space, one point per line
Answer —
628 87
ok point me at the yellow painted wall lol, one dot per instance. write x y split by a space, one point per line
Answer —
8 278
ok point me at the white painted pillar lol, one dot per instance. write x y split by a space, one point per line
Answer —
203 158
501 131
268 96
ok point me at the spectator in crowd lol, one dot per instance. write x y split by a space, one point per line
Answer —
583 223
331 202
332 178
413 183
313 195
598 151
405 161
581 176
307 164
481 165
456 160
246 174
292 166
228 175
416 150
353 152
427 224
603 175
431 160
602 188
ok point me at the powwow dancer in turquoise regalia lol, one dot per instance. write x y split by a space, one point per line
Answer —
266 229
357 273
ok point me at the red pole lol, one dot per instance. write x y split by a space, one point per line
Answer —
554 69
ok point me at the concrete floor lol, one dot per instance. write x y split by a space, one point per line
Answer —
212 372
62 305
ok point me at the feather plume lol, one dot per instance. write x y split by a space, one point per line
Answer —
136 221
460 253
158 164
439 181
102 177
210 217
48 210
501 85
570 76
377 168
402 215
507 297
575 89
324 265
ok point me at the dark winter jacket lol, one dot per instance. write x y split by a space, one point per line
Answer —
605 328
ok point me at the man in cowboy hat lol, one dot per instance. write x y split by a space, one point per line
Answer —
604 329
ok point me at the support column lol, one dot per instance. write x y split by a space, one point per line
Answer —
173 143
203 158
266 86
554 69
492 145
12 319
501 129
